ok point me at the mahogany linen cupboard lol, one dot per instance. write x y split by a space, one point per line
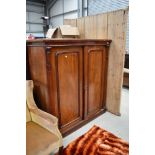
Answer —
70 78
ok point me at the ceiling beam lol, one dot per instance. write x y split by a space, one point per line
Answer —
36 1
50 3
72 11
39 12
34 23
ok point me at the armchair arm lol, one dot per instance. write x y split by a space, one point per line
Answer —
29 95
43 116
40 117
47 121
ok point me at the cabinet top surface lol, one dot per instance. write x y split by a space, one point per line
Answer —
68 41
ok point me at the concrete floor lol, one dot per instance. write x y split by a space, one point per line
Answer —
118 125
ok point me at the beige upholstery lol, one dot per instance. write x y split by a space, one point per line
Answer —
40 140
42 134
28 117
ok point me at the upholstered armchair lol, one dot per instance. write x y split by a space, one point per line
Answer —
42 134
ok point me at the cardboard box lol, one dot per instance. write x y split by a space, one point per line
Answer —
64 31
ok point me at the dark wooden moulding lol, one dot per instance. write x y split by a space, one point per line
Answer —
70 78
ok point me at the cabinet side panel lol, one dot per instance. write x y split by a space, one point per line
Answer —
37 60
38 73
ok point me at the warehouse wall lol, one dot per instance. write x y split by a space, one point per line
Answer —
103 6
34 23
65 9
59 11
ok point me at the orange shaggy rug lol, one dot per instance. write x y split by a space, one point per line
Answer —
97 141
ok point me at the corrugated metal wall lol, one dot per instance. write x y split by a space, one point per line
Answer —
102 6
34 23
63 9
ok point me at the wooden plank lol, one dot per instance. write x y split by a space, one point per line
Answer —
66 22
81 27
116 32
102 29
71 22
90 27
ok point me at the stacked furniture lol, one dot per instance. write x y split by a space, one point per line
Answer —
70 78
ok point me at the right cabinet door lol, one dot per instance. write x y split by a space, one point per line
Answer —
95 79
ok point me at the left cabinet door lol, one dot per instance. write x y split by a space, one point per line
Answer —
66 81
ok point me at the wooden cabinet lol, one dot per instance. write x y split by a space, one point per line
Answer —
69 78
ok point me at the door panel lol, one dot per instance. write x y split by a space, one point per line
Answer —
95 73
68 65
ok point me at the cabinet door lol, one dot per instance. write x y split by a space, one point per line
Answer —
95 73
68 72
